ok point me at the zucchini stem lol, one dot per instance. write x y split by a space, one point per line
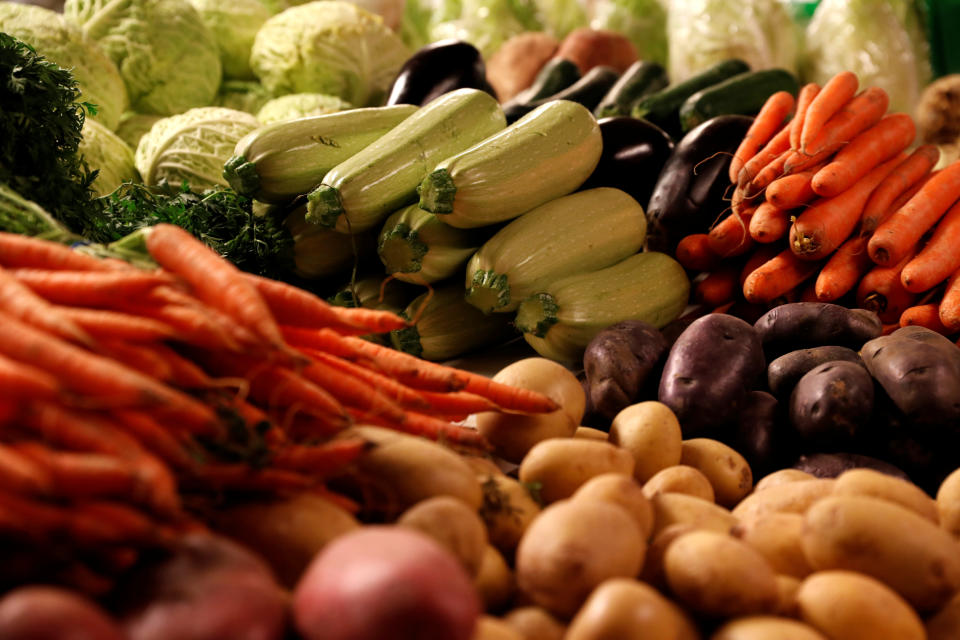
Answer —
536 314
241 175
437 192
324 206
401 249
488 291
407 340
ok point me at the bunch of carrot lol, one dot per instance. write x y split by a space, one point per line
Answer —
831 204
127 393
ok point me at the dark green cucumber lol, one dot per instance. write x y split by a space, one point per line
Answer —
642 78
663 107
587 91
556 75
743 94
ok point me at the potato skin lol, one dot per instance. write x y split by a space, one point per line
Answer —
867 482
920 371
621 490
678 508
891 543
727 470
782 476
535 623
790 497
561 465
651 433
796 325
619 361
766 628
703 396
948 503
784 373
680 478
454 525
508 509
831 404
629 610
945 623
777 536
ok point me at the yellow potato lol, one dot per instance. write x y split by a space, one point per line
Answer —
766 628
948 503
651 433
490 628
453 524
853 606
652 572
945 623
508 509
573 546
787 587
790 497
622 490
675 508
718 575
680 478
402 470
868 482
494 581
513 434
905 551
482 466
627 609
288 532
782 476
560 465
590 433
727 470
777 536
535 623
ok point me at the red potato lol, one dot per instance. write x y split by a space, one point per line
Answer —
209 589
589 48
52 613
385 582
513 67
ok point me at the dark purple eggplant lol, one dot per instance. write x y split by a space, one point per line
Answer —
693 187
634 152
438 68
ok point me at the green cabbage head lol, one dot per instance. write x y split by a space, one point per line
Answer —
134 126
106 152
64 43
243 95
167 56
234 25
192 147
328 46
300 105
643 22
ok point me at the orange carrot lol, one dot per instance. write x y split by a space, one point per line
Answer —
777 145
950 304
319 460
882 141
443 431
137 357
823 227
104 323
765 125
762 254
22 303
352 391
880 290
89 288
837 92
184 373
219 477
719 286
924 315
160 440
694 253
192 324
215 280
769 223
792 191
731 236
777 277
20 474
768 174
910 173
843 270
404 396
938 258
805 96
897 236
17 251
19 380
295 307
858 115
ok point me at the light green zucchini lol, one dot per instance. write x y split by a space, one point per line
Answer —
281 161
360 192
416 246
545 154
583 231
559 321
446 326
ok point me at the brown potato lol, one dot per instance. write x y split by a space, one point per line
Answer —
651 433
868 482
766 628
718 575
535 623
790 497
561 465
675 508
948 503
508 509
454 525
945 623
513 434
787 587
286 532
680 478
590 433
905 551
560 559
494 581
777 536
627 609
622 490
513 67
589 48
652 572
782 476
853 606
490 628
728 471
